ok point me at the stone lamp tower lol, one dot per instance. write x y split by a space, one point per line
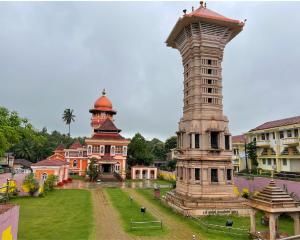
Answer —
204 170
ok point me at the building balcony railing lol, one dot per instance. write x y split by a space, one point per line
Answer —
263 143
292 141
235 162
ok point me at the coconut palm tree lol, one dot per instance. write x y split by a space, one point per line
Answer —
68 117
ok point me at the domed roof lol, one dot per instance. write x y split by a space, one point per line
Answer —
103 103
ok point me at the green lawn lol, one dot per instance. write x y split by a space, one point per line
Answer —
157 181
130 210
285 223
61 214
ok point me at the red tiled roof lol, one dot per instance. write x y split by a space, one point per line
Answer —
108 125
75 144
277 123
60 147
204 12
50 162
107 136
238 139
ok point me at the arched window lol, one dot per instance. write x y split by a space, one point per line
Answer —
75 163
117 167
44 176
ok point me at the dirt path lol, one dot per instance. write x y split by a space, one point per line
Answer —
178 230
107 221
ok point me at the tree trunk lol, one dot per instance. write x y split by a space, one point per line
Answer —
69 130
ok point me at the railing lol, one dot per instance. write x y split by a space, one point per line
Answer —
296 237
146 225
290 140
260 143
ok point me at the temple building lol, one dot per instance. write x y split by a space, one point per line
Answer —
106 145
204 168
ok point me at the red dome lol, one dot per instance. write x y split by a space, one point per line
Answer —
103 103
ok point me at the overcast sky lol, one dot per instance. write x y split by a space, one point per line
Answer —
57 55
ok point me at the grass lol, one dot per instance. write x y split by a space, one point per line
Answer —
130 210
285 223
157 181
61 214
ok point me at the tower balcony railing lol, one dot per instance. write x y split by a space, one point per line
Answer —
263 143
292 141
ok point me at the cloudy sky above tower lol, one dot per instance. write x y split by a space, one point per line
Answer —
57 55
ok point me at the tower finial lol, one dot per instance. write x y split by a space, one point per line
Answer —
201 3
103 92
192 8
205 5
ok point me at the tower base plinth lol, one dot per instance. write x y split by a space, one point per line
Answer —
204 206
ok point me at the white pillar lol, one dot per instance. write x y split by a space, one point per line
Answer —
252 221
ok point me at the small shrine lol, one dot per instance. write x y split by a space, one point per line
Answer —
273 201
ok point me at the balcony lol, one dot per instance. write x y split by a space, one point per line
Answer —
263 143
291 141
235 162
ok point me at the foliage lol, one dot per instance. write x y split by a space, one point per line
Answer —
139 152
170 143
61 215
68 117
251 153
50 182
245 193
236 191
92 170
30 184
10 129
12 187
157 149
171 165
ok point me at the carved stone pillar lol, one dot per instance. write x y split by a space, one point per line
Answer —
273 226
295 217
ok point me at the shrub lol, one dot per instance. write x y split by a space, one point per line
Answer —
65 181
12 188
70 179
245 193
50 182
60 184
30 184
236 191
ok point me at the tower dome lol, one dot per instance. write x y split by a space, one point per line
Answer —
103 103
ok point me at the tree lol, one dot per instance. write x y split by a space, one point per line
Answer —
50 182
139 151
68 117
93 169
251 153
170 143
30 184
157 149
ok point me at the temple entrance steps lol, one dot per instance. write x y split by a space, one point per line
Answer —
108 177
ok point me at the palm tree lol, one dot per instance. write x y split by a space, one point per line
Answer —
68 117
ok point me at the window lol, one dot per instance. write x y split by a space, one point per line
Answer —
209 90
117 167
214 175
119 150
263 137
214 140
227 142
209 71
102 149
273 134
187 102
197 173
44 176
209 62
281 134
75 163
229 177
112 150
107 149
209 100
296 132
96 149
187 74
236 152
264 161
197 140
269 162
289 133
187 93
89 149
284 162
209 81
267 136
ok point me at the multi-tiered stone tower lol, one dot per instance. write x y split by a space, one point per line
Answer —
204 171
